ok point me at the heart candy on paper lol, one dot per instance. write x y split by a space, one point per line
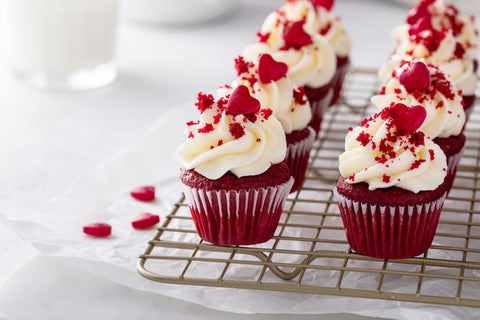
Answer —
415 77
408 119
144 193
270 70
296 37
145 220
241 102
98 229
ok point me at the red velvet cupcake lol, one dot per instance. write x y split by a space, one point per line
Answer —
441 35
311 41
267 81
417 84
235 178
392 185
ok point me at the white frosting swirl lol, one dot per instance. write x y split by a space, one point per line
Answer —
319 20
312 65
441 100
413 166
460 70
214 153
278 96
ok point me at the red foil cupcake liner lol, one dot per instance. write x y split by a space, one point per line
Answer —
389 232
297 157
244 217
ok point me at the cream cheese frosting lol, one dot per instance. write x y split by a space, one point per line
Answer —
311 59
287 101
445 115
388 150
233 134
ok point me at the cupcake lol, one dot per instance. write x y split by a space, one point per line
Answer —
433 32
310 57
235 178
391 189
418 84
319 19
267 82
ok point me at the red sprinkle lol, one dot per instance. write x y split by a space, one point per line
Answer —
204 101
99 229
386 178
145 220
236 130
241 65
144 193
270 70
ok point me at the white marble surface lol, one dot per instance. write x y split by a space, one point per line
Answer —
51 140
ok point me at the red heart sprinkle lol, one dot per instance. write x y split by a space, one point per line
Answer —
408 119
97 229
327 4
296 37
241 102
416 77
145 220
270 70
144 193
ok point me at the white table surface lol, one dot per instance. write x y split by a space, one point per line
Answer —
49 140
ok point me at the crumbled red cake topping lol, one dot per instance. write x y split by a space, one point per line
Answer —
459 50
263 37
364 138
242 66
206 129
204 101
236 130
386 178
266 113
300 96
270 70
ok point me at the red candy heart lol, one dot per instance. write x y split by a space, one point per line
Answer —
327 4
270 70
145 220
296 37
241 102
97 229
416 77
408 119
144 193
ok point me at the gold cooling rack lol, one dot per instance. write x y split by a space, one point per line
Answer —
309 252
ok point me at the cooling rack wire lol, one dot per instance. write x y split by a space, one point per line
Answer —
309 252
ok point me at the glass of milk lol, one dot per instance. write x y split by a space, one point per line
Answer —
61 44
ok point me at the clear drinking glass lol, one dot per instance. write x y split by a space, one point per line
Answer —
61 44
